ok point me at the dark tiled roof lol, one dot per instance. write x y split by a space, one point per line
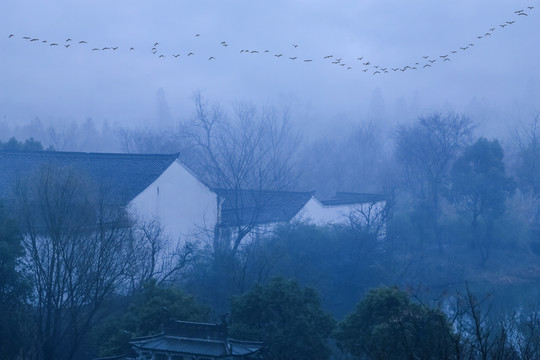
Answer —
348 198
181 345
124 175
209 331
244 347
198 339
245 207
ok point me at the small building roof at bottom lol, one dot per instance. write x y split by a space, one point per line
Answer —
197 344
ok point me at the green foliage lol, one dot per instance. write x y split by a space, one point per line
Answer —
287 317
146 313
480 188
479 181
388 325
14 289
342 262
27 145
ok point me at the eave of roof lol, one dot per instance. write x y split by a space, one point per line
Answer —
256 207
125 175
350 198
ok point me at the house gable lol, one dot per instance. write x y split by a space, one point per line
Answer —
184 205
340 208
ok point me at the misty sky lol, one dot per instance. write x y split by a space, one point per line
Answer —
499 74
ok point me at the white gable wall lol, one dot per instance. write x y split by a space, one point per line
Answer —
314 212
183 205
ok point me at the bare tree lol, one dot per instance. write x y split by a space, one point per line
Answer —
426 150
372 217
148 141
527 138
78 248
154 259
247 158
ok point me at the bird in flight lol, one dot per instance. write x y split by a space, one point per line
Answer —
530 7
293 58
511 22
34 40
278 55
308 60
106 48
132 48
161 56
366 63
295 45
156 44
492 29
432 61
190 54
26 37
503 25
68 40
177 55
95 49
427 65
464 48
82 42
197 35
67 45
114 48
328 56
211 58
360 58
446 59
522 13
10 36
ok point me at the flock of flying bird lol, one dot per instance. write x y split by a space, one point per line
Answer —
366 65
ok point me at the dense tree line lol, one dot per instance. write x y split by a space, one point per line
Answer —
462 214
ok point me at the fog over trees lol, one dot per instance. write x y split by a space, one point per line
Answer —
454 274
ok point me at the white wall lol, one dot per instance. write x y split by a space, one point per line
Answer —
314 212
183 205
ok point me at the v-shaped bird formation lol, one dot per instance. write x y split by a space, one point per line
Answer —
424 62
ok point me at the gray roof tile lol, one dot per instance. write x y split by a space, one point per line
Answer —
349 198
245 207
125 175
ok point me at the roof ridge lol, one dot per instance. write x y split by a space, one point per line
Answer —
94 154
311 192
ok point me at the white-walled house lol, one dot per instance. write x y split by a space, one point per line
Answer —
356 209
161 187
150 186
183 204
